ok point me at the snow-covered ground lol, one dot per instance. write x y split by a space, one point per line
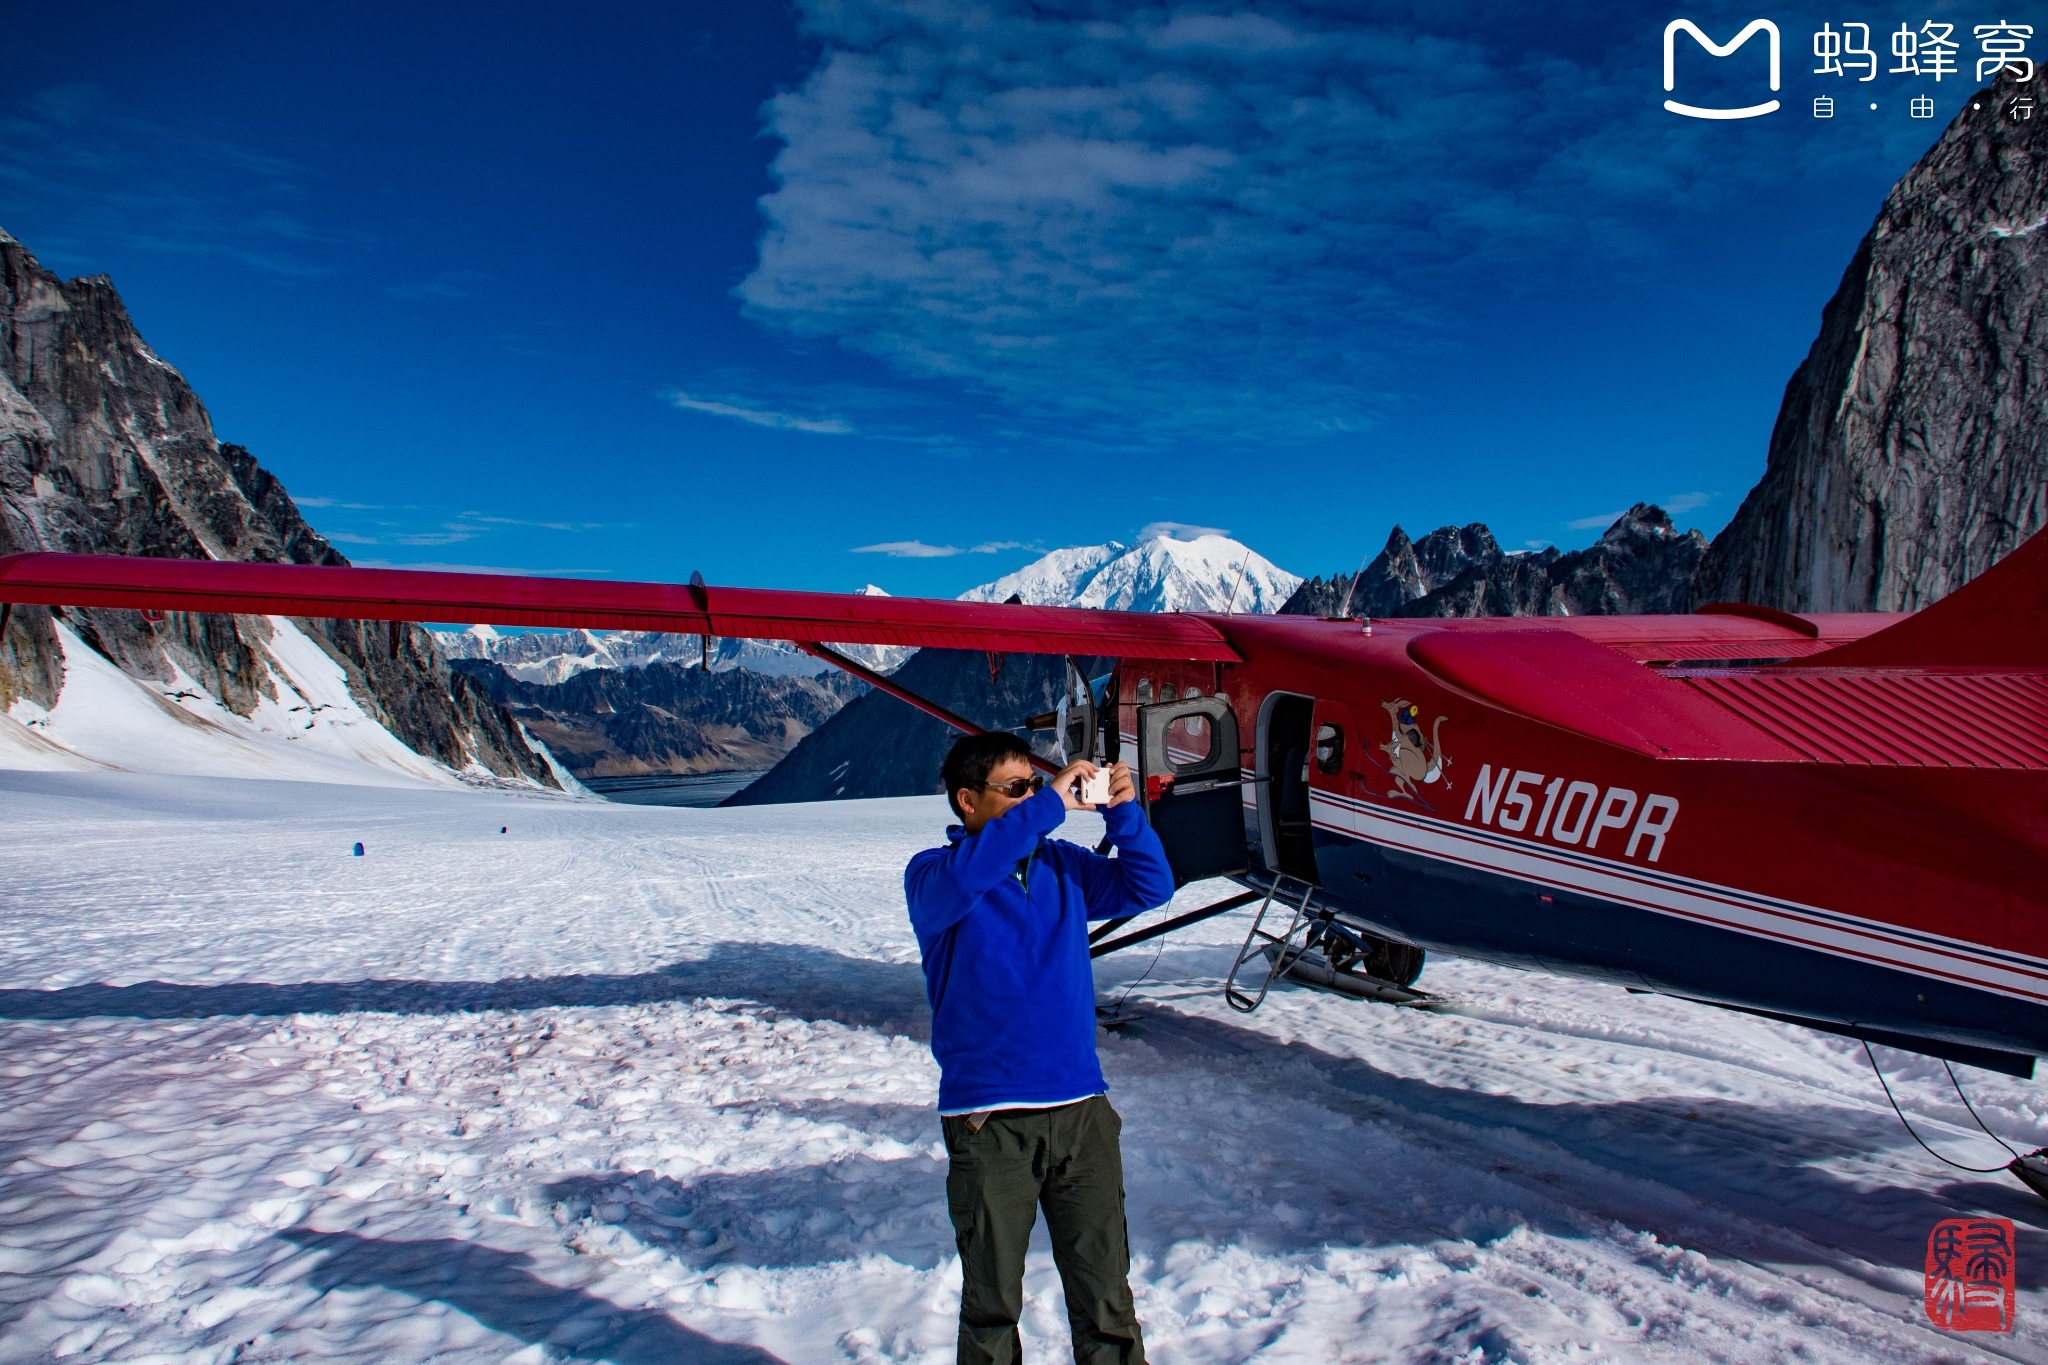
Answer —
650 1084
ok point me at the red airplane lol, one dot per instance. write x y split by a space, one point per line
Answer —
1835 820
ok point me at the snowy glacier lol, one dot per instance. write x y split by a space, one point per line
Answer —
650 1084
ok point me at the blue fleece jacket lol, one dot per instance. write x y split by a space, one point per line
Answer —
1002 920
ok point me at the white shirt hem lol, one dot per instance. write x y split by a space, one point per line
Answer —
1012 1104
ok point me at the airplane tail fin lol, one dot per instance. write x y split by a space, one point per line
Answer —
1998 620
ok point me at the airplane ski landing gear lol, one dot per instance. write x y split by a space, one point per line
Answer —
1382 959
1318 951
2032 1171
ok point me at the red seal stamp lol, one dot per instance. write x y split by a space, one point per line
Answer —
1970 1265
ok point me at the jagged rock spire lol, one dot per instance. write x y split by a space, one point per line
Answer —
1911 450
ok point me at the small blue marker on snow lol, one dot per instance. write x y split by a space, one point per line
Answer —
359 850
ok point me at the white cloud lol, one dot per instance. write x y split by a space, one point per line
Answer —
917 549
1600 522
445 566
908 549
1178 530
430 528
761 417
1173 221
156 184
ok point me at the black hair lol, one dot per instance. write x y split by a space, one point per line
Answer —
969 762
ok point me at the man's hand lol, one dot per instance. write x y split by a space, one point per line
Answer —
1122 787
1068 778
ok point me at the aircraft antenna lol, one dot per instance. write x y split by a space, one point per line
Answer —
1242 565
1351 590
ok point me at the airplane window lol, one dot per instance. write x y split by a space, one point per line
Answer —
1144 691
1329 748
1166 692
1186 746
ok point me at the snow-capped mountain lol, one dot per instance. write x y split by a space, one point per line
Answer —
555 656
1157 574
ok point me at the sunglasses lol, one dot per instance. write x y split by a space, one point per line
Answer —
1016 790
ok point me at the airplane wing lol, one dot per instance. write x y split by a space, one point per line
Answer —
235 587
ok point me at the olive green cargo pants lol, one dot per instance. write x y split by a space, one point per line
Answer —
1068 1160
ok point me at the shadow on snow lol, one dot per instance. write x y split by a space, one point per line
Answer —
499 1290
780 1218
1677 1165
812 983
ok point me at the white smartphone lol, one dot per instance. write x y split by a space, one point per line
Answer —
1095 790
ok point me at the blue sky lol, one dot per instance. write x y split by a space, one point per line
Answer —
903 292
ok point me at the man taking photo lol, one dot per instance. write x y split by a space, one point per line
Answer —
1001 915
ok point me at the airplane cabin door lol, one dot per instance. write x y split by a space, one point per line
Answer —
1189 783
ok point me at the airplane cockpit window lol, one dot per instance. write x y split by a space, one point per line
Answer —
1329 748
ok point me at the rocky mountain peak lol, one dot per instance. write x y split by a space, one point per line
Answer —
1448 551
1641 563
1910 454
1402 572
105 449
1644 521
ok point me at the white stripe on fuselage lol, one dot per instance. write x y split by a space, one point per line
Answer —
1726 907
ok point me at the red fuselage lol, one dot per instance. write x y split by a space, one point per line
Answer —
1682 815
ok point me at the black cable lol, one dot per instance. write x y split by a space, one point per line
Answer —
1973 1111
1118 1007
1974 1170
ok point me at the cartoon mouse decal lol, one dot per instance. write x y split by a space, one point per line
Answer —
1411 756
